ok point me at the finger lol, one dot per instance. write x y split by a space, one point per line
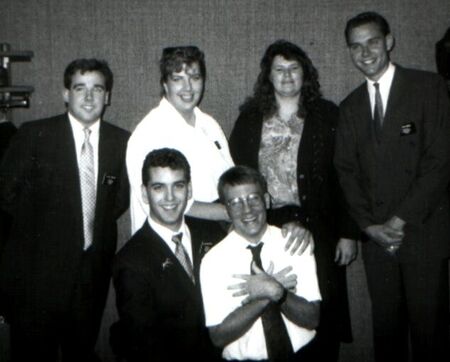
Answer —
240 293
237 286
242 276
284 271
312 245
306 241
337 256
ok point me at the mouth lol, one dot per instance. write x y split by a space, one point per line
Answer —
88 108
187 97
169 207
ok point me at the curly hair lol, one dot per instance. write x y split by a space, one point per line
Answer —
263 91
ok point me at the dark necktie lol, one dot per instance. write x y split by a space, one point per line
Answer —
378 111
182 256
278 343
87 183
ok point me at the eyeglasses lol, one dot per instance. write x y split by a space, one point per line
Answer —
254 201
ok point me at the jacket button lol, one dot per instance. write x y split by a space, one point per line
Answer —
301 177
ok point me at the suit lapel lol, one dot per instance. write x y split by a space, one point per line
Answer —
67 168
163 255
393 115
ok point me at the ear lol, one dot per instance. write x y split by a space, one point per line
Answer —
65 94
144 194
189 190
390 41
107 98
267 200
165 88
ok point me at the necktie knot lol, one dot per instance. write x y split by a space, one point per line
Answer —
87 133
377 86
176 238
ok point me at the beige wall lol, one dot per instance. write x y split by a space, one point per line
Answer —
233 33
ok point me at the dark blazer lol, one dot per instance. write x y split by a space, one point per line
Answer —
407 172
322 210
40 189
160 309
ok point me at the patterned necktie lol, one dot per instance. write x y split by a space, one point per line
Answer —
182 256
278 343
87 184
378 111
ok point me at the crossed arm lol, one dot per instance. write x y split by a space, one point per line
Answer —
260 290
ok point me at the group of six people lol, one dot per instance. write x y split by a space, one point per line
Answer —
311 179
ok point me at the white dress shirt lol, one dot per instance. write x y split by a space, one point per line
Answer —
385 83
231 257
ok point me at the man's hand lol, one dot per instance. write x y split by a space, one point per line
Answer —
386 236
346 251
299 238
260 285
288 281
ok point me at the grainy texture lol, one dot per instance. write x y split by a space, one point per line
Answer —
234 34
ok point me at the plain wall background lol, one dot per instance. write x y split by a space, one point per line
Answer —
233 34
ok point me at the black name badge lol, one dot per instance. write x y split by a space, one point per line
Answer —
408 129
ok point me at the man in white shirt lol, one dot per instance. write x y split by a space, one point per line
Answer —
238 290
178 123
156 272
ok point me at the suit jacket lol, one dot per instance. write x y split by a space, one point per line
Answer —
322 210
160 309
40 189
407 172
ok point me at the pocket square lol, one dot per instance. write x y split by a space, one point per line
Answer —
408 129
108 180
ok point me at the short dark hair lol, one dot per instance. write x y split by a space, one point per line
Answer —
165 157
366 18
173 58
240 175
88 65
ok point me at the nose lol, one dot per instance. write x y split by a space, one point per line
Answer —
188 84
169 194
287 73
365 51
245 206
89 94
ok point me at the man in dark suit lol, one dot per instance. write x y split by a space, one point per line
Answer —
393 161
156 277
64 183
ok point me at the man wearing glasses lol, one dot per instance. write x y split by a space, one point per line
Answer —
254 307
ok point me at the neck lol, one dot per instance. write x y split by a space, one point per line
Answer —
287 106
189 118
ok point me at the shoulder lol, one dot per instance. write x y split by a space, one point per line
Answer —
115 130
45 128
249 111
419 78
137 249
354 96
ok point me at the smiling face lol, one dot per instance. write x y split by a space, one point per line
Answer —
87 96
246 206
167 193
286 77
369 50
184 89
